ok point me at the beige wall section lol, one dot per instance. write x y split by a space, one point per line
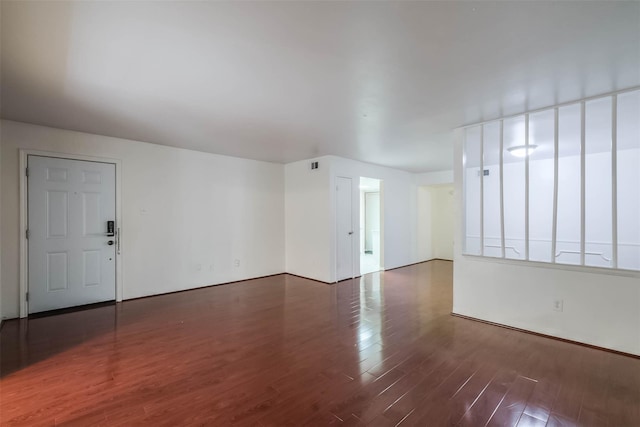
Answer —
600 308
435 222
442 221
434 178
425 244
186 215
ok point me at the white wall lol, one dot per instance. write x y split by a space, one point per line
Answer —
425 224
434 178
182 212
600 308
307 223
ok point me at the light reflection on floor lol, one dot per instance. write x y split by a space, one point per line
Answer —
371 318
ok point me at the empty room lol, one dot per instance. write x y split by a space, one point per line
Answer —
315 213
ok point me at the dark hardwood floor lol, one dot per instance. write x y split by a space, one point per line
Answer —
381 350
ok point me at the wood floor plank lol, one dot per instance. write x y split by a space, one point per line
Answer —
376 406
512 406
541 400
490 399
529 421
434 408
354 404
380 350
407 404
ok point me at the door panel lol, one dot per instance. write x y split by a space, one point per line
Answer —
344 229
57 271
57 214
91 268
92 215
70 260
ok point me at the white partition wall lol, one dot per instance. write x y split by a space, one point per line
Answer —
491 194
598 250
628 180
560 185
577 201
541 186
473 191
567 244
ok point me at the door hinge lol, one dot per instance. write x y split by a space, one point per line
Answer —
26 172
27 296
27 233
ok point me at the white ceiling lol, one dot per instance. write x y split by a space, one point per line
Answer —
381 82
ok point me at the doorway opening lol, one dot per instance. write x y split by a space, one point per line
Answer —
370 249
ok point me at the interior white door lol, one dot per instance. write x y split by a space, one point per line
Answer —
344 229
72 257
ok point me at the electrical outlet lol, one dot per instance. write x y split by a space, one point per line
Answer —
558 305
237 263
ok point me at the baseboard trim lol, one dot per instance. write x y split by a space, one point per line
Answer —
203 287
526 331
309 278
73 309
419 262
381 271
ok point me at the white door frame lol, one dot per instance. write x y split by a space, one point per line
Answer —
24 243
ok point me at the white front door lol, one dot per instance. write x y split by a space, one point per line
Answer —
72 257
344 229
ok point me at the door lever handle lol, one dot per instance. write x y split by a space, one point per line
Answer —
350 233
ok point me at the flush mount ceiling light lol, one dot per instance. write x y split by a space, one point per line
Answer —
522 150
